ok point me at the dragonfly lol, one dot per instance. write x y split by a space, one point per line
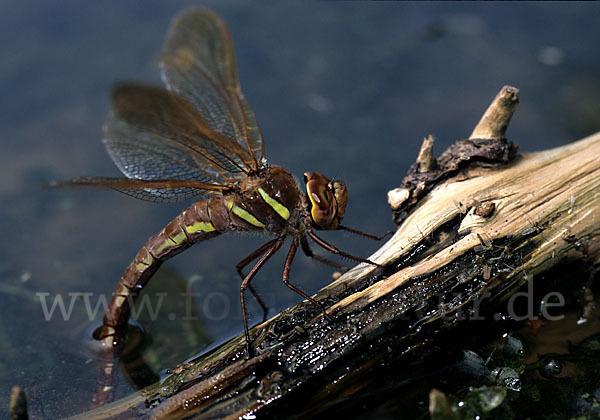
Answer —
198 139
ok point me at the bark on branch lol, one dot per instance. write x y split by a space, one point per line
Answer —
476 220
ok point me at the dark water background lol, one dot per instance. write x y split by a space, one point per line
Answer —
348 89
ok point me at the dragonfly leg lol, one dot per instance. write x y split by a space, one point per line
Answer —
309 253
286 278
274 245
240 266
366 235
326 245
260 302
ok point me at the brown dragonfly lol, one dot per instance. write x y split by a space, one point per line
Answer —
199 139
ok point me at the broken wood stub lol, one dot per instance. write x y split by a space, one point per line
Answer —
496 118
486 147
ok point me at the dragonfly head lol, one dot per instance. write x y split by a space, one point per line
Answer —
327 200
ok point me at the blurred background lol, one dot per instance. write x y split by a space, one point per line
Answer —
348 89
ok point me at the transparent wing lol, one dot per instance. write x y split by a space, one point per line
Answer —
163 191
152 134
199 64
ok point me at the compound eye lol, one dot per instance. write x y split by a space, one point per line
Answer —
323 205
341 198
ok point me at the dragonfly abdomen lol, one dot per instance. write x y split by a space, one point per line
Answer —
201 221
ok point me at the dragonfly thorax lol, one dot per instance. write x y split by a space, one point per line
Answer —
327 200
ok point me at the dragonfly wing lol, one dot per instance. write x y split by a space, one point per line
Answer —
199 64
163 191
152 134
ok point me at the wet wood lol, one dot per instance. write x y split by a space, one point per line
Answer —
481 230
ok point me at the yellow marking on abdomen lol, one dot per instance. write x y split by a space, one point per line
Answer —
200 227
172 242
243 214
179 238
166 244
276 205
148 258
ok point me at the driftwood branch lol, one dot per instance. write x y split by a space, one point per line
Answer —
476 221
495 120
